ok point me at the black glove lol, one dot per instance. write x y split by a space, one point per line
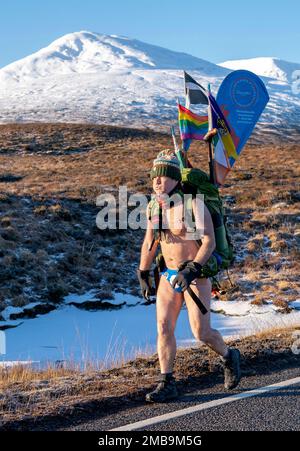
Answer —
145 283
187 272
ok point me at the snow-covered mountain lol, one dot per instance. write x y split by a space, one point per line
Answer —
85 52
90 77
265 66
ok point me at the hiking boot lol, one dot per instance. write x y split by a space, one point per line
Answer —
232 370
165 391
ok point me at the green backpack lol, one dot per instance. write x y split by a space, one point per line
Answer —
195 181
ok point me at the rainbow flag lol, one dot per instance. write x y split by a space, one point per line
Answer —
191 126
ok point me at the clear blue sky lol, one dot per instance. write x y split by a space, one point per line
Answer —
214 30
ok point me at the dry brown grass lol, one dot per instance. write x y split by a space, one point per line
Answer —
277 332
25 375
52 174
282 304
284 285
259 300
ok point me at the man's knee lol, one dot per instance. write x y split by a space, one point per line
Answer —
165 328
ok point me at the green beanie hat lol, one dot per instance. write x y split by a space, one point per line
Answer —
166 164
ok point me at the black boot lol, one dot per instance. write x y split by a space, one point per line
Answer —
165 391
232 370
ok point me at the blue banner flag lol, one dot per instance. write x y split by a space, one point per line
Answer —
242 98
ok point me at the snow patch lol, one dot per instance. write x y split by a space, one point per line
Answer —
10 310
71 334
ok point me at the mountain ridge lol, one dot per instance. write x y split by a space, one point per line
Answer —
89 77
90 52
271 67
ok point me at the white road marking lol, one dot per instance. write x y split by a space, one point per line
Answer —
206 405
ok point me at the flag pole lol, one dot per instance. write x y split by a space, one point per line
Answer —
177 149
209 140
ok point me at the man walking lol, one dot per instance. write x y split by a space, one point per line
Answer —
182 272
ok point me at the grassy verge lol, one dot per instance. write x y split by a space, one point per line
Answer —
31 395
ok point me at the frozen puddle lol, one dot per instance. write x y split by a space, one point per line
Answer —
109 337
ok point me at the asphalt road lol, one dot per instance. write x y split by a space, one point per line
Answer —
277 410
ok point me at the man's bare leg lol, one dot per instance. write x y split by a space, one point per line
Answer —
200 324
168 305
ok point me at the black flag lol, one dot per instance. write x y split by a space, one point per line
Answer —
195 93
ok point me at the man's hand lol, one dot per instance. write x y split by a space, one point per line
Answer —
188 271
210 134
145 283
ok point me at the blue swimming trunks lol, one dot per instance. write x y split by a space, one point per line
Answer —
170 275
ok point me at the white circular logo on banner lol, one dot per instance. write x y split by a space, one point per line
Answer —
244 93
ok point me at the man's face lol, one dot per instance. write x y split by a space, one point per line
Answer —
163 184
